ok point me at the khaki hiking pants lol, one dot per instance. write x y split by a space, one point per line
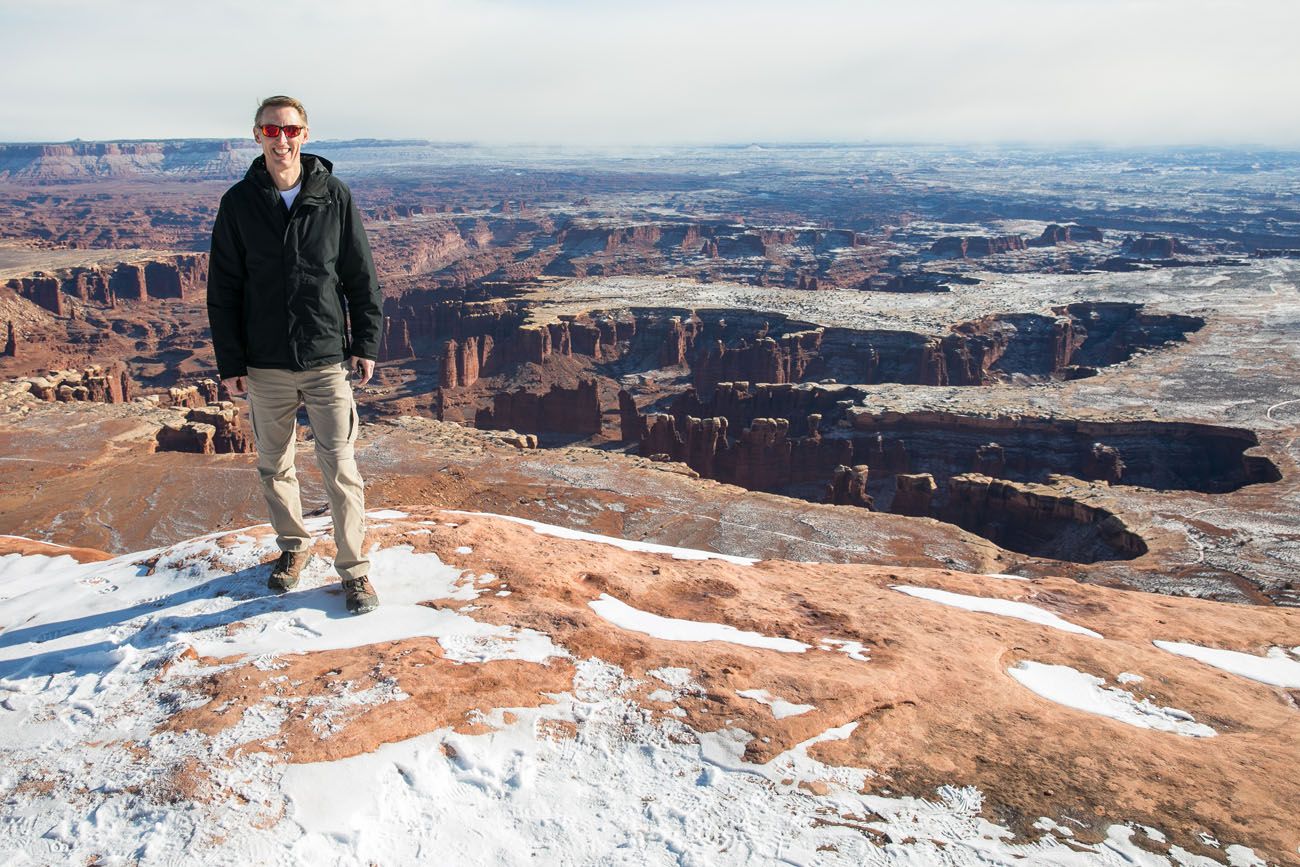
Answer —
273 398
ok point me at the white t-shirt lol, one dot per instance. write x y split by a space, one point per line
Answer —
290 194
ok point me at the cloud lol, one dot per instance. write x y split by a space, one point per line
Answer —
576 71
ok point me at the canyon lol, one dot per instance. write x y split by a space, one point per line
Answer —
865 349
951 423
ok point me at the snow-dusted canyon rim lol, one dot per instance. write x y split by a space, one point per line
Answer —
530 692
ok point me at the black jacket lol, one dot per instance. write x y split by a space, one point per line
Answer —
282 286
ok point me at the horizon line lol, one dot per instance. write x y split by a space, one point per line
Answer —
1032 144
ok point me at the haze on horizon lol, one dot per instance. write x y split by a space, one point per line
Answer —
1126 72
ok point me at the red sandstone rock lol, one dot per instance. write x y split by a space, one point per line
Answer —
230 436
584 336
1054 234
1155 247
673 350
976 246
990 459
559 410
760 361
632 426
395 341
447 375
1104 464
705 439
763 456
127 280
913 494
467 362
41 289
99 383
11 343
976 352
207 430
848 487
660 436
534 343
1015 514
561 339
187 437
210 389
188 396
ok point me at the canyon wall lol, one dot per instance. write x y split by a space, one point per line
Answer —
1163 455
982 473
1038 520
730 346
975 246
1153 454
558 410
762 456
1055 234
183 275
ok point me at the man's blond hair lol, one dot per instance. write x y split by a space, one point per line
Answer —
279 102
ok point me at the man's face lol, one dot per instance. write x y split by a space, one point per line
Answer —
281 152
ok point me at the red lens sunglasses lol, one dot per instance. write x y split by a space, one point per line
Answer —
270 130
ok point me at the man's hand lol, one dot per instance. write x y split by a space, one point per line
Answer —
236 385
364 368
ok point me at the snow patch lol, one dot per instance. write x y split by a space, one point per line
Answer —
632 619
625 544
1276 668
780 707
853 649
1004 607
1081 691
386 515
315 619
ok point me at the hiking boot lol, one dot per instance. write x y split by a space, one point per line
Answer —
285 574
361 595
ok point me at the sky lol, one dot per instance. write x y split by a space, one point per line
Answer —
618 72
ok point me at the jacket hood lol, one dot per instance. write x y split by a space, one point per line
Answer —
315 169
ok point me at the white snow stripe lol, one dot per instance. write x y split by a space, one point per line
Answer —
632 619
1275 669
1081 691
625 544
1004 607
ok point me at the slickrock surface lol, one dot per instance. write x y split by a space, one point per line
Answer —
825 713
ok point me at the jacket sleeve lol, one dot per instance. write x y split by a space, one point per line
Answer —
360 285
227 274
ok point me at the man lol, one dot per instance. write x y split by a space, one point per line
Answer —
290 269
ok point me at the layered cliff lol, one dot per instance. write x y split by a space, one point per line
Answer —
737 345
80 160
976 246
183 275
557 410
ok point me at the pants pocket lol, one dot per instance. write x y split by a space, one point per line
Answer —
252 422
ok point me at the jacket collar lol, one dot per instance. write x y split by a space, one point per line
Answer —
315 171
